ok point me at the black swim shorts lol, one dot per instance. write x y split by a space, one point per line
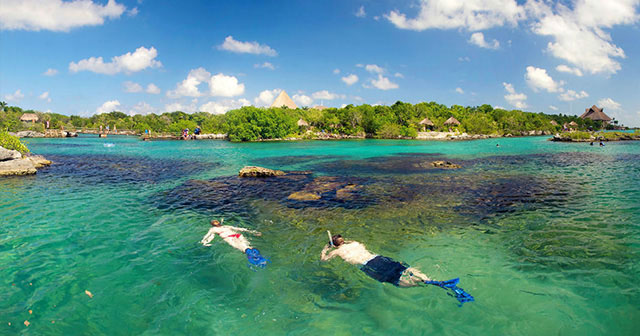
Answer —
384 269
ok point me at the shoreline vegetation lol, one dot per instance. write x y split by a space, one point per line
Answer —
15 158
422 121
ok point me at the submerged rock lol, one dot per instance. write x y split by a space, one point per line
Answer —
253 171
445 164
304 196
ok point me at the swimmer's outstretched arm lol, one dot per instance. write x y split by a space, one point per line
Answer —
206 240
324 256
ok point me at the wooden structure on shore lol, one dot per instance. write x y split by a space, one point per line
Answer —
32 117
596 114
426 123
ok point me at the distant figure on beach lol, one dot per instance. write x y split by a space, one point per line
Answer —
231 236
385 269
591 144
601 143
196 131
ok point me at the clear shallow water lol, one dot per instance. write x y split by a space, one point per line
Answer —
545 235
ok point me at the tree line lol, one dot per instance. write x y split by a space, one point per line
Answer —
251 123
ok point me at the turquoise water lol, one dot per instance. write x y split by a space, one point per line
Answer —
545 235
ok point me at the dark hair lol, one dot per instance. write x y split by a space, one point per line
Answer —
336 238
215 222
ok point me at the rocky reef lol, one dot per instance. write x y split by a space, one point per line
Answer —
13 162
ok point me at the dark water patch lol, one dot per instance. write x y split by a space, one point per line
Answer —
118 169
567 159
388 165
490 196
234 193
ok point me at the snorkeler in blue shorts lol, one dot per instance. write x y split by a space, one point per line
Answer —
385 269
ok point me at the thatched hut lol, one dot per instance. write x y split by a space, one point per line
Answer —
573 124
596 114
452 121
553 123
426 123
302 123
283 99
32 117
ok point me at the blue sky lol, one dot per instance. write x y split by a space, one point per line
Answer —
86 57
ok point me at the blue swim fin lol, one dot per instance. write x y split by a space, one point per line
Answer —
458 292
255 258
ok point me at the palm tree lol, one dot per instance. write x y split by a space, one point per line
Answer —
3 106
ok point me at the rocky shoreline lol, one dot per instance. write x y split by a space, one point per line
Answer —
591 137
46 134
14 163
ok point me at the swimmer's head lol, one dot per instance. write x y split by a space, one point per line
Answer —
337 240
215 222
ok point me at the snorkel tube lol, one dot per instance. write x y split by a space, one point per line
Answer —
330 239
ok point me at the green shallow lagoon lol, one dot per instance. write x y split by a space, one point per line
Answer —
545 235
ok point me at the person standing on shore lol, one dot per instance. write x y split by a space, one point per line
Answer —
230 234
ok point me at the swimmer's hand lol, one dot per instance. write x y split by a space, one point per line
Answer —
207 244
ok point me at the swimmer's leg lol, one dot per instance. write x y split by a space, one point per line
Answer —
412 277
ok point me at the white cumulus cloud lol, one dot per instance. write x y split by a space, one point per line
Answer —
132 87
225 86
222 106
472 15
478 39
373 68
571 95
265 65
568 69
609 104
45 96
383 83
50 72
189 86
108 106
302 100
538 79
254 47
153 89
361 13
518 100
55 15
326 95
139 60
16 96
142 108
266 97
459 90
350 79
577 32
551 107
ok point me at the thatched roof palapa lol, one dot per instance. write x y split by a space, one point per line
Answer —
573 123
29 117
302 123
284 100
595 113
452 121
427 122
554 123
319 107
